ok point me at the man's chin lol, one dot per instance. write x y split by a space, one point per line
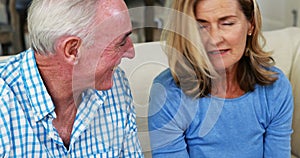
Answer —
104 86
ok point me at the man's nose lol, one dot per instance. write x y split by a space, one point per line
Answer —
129 53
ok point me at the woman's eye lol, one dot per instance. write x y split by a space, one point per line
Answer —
203 26
228 23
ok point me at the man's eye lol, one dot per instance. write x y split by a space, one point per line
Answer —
125 39
123 42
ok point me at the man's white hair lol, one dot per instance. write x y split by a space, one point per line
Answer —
49 20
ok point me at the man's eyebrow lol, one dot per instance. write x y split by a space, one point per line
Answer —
121 42
126 35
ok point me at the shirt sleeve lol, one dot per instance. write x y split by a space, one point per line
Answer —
168 120
278 132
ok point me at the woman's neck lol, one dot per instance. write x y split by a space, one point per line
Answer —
226 85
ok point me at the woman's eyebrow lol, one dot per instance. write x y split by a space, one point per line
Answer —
220 19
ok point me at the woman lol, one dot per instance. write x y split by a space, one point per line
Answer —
222 96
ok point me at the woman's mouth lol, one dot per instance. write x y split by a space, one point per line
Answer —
218 52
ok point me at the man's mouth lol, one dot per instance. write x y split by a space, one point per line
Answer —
114 68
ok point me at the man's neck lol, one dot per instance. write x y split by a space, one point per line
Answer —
57 77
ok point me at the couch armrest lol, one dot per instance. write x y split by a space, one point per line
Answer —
295 81
284 44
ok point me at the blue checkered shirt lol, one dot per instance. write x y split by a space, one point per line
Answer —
104 126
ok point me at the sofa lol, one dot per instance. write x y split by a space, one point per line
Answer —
150 60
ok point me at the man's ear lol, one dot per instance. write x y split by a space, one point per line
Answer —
69 46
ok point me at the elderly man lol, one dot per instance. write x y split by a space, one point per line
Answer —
66 96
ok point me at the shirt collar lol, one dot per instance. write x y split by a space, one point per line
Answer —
39 98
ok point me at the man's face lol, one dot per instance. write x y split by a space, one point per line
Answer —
97 62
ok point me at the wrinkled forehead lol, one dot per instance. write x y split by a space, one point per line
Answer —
113 15
112 20
112 9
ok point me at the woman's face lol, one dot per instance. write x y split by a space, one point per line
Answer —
224 30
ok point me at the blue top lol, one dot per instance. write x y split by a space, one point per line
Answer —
104 126
254 125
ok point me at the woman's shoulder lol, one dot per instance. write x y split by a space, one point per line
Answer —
280 92
164 88
282 80
164 78
280 86
166 81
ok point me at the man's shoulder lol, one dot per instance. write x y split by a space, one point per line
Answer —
10 67
6 97
10 76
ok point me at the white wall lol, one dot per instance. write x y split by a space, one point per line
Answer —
3 17
278 13
293 5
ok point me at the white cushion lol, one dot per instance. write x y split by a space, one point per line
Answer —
148 62
284 43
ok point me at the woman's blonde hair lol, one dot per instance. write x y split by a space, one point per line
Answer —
188 60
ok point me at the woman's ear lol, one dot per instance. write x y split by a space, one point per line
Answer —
250 30
69 47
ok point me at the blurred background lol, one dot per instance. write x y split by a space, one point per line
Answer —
13 13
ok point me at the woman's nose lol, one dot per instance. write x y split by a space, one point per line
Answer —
215 35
